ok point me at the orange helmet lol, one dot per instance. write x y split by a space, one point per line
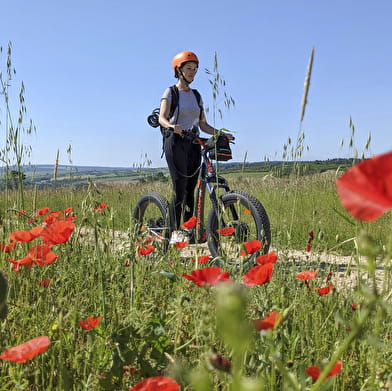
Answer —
181 58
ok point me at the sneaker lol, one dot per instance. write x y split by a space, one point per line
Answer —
179 236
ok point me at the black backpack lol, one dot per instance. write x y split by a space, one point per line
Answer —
153 118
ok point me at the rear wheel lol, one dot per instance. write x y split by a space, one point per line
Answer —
153 216
241 218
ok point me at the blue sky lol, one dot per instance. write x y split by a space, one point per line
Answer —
93 70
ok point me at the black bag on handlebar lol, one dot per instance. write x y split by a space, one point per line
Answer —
220 150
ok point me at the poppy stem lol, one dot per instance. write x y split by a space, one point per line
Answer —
100 273
365 314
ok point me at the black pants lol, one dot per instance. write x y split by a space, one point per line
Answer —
183 159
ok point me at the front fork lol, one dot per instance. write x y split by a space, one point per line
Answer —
209 183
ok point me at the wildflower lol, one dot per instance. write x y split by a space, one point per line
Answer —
202 259
102 206
42 211
90 323
45 282
207 276
146 250
161 383
314 371
57 232
354 306
310 240
266 258
258 275
189 223
272 320
17 263
365 190
251 247
325 290
51 217
220 363
7 247
181 244
247 212
20 212
26 351
226 231
307 275
36 231
22 236
42 255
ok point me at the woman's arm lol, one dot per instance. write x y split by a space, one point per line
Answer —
164 115
207 128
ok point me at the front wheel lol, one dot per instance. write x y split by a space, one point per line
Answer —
241 218
154 218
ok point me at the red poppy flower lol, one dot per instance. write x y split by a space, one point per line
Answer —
17 263
42 255
68 210
20 212
267 258
307 275
325 290
258 275
308 248
314 371
22 236
146 250
90 322
207 276
354 306
7 247
189 223
181 244
251 247
24 352
45 282
226 231
51 217
57 232
36 231
42 211
273 319
202 259
161 383
365 190
100 207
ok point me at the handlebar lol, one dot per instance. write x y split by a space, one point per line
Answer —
193 134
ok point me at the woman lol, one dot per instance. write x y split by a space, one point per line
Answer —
182 155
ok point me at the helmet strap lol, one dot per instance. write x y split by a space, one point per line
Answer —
182 77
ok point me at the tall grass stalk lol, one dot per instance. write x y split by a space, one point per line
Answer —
14 151
298 149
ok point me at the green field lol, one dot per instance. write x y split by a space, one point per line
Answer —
155 322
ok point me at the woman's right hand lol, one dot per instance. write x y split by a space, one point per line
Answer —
177 129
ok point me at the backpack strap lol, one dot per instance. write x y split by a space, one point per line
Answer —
198 98
175 97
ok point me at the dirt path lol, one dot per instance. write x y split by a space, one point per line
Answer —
347 271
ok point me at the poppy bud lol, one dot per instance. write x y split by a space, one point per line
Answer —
220 363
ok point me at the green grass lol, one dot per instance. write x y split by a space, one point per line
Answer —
156 322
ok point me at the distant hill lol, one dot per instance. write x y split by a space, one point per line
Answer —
43 175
